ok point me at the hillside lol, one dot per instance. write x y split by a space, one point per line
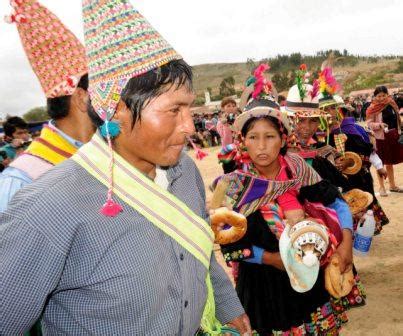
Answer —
353 73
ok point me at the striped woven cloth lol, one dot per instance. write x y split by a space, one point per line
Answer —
247 192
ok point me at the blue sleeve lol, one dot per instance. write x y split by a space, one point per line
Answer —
11 180
343 212
31 267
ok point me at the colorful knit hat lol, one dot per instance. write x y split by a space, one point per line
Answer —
328 87
120 44
258 100
302 98
56 55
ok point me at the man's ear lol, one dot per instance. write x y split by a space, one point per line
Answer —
121 112
80 99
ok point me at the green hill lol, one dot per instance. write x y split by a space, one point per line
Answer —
353 72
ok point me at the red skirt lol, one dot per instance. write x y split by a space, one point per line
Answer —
389 149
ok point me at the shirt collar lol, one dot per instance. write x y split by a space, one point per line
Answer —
68 138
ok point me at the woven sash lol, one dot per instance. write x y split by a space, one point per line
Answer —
160 207
51 147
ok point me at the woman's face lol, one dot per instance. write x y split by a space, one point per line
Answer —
263 143
381 96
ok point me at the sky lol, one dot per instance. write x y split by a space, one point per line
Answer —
222 31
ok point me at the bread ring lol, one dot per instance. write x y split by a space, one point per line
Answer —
358 200
337 284
236 220
357 163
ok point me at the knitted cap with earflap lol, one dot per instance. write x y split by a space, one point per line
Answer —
120 44
56 55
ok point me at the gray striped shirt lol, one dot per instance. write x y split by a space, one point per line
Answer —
83 273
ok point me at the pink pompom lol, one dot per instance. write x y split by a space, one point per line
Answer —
111 208
200 155
246 253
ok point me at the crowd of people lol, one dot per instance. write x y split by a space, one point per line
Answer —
103 221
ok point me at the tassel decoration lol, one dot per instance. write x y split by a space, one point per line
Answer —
111 128
200 154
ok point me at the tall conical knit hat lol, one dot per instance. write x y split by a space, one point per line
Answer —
120 44
56 55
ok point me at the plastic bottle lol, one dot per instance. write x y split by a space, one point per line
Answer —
364 233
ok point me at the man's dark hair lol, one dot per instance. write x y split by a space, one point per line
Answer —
141 89
59 107
11 125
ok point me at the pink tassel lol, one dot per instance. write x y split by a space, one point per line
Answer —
111 208
200 155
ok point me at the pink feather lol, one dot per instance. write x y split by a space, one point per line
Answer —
261 82
315 89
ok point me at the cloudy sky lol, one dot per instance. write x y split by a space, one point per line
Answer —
211 31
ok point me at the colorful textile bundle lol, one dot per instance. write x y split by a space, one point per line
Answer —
247 192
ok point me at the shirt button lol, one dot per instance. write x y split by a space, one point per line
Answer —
186 303
181 256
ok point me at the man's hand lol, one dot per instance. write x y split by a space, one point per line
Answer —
242 324
342 163
382 173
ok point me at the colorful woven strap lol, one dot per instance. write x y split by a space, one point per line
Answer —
173 216
340 142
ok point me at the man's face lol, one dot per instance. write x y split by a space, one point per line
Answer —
159 136
332 111
21 134
306 128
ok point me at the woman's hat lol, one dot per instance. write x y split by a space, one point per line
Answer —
258 100
302 98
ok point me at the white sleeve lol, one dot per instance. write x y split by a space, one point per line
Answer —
376 161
